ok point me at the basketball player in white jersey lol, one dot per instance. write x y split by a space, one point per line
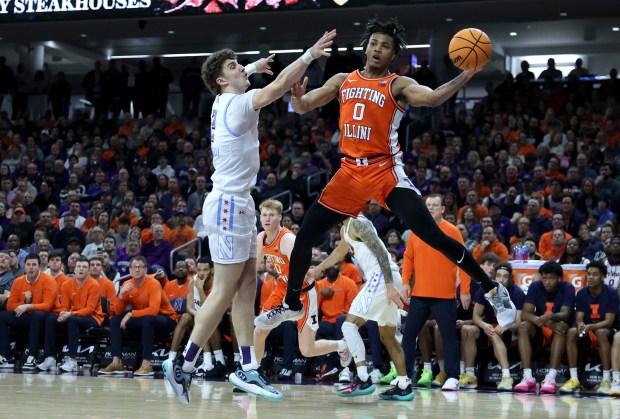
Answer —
372 303
228 211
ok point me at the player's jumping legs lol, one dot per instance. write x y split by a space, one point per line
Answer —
226 280
409 207
310 347
407 204
316 222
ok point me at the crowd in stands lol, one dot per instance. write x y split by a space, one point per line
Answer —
533 163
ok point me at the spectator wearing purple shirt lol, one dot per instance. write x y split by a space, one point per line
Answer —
157 251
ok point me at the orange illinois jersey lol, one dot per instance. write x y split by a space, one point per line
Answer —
280 262
369 116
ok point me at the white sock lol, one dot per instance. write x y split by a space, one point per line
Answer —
573 373
552 373
403 381
172 355
219 356
505 372
354 342
190 354
470 370
616 375
237 357
342 345
207 360
527 373
362 372
440 362
462 364
606 374
428 366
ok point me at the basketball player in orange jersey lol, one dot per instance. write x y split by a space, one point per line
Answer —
275 245
372 104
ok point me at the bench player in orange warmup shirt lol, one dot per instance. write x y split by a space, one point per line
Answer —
80 309
151 313
372 104
32 299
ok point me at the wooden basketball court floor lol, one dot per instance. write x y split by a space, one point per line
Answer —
45 395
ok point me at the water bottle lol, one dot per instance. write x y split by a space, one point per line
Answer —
517 253
525 253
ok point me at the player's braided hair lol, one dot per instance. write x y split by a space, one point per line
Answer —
390 27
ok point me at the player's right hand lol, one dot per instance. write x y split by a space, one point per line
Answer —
488 330
318 50
327 292
395 296
299 89
262 65
125 289
406 291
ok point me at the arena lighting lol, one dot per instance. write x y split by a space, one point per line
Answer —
253 52
286 51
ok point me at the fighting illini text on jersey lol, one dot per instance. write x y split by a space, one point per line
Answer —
372 166
369 116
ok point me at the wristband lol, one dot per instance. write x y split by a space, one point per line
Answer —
250 69
307 57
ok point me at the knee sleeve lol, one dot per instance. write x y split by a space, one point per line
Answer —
354 341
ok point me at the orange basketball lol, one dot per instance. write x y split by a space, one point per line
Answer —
470 48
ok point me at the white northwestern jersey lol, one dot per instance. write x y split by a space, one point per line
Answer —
234 143
364 256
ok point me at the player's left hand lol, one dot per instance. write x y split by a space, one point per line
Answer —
125 320
318 50
21 309
262 65
465 301
299 89
62 317
395 296
499 330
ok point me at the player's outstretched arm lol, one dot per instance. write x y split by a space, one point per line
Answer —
334 257
293 72
418 95
304 102
365 231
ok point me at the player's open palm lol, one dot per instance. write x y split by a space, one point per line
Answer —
318 50
262 65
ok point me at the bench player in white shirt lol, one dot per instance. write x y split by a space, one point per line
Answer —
372 303
229 212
